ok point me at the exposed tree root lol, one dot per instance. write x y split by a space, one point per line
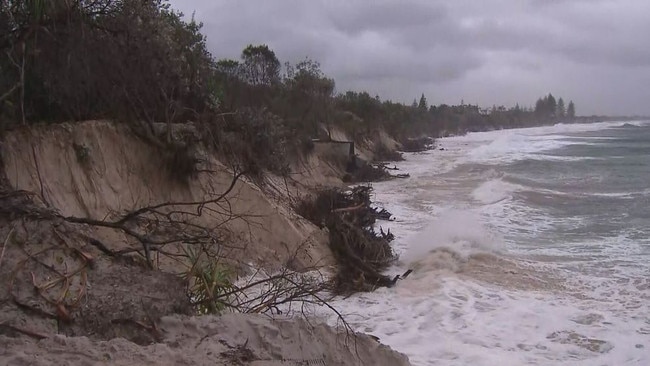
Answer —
362 253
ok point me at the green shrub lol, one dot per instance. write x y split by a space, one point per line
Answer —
208 282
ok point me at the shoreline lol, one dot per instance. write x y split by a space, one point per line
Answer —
508 305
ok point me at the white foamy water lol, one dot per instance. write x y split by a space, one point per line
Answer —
511 274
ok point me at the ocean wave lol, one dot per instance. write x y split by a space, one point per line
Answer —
458 231
545 157
557 129
634 124
494 191
507 146
583 194
626 195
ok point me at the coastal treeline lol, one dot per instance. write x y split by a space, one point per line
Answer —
142 63
548 108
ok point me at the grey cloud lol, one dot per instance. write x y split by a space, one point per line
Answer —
486 52
385 16
418 70
610 54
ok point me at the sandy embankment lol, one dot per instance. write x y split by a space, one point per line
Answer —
120 173
99 170
235 339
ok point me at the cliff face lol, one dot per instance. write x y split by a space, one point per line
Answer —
98 169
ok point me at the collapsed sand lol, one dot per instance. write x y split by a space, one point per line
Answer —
232 339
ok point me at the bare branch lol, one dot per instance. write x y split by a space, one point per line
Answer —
9 92
4 246
143 210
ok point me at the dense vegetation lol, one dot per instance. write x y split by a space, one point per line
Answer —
141 63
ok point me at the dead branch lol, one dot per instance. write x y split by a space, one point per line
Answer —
347 209
385 166
9 92
4 246
26 332
166 223
200 204
34 310
103 248
362 253
406 175
182 230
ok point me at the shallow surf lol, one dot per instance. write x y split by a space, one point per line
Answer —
514 265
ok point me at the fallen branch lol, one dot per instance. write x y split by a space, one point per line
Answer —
33 309
382 214
200 204
362 253
401 277
26 332
407 175
348 209
102 248
185 231
385 166
4 246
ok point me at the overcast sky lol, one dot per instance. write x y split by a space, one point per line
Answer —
595 52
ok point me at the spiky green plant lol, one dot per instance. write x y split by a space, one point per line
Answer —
208 282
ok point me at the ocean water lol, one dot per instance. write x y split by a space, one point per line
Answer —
529 247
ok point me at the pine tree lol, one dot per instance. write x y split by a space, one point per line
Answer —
551 106
571 110
560 110
539 106
423 103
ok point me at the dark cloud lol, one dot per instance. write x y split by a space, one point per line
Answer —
485 52
385 16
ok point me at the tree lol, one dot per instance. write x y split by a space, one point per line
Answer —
423 103
260 65
228 77
539 107
228 67
551 106
310 94
560 110
571 110
75 60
